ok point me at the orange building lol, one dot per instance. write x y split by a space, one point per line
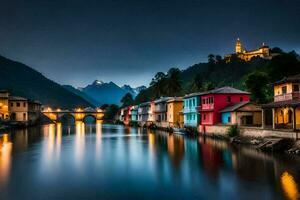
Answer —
174 112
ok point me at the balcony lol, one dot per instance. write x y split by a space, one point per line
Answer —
207 107
288 96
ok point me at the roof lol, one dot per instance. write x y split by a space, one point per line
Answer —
289 79
3 91
226 90
162 99
144 104
222 90
192 95
16 98
278 104
239 105
175 99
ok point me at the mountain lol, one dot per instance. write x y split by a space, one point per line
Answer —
133 91
107 93
104 93
22 80
81 94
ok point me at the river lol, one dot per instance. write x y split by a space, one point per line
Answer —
102 161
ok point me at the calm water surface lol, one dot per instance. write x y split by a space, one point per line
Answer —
100 161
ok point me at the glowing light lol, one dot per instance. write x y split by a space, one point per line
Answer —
5 157
289 186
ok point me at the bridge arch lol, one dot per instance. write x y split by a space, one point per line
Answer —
67 118
86 118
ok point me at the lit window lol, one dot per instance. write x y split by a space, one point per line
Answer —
283 90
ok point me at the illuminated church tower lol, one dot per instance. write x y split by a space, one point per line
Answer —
238 46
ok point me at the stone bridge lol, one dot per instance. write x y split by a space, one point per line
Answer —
78 114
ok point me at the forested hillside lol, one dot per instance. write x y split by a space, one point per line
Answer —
254 76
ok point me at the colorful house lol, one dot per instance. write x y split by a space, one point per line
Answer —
160 112
133 112
143 113
243 114
151 113
126 115
191 103
174 112
286 106
213 101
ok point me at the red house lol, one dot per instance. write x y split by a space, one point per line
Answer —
215 100
127 115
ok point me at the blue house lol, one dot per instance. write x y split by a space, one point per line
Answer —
191 116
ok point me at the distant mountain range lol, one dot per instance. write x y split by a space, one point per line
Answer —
21 80
99 92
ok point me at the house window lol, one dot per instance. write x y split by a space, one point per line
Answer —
11 104
24 104
18 104
295 88
204 116
194 102
229 99
24 116
212 100
229 119
241 99
203 101
283 90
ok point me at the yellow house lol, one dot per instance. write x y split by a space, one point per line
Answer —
23 110
286 106
174 112
4 112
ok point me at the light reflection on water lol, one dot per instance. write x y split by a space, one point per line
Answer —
92 161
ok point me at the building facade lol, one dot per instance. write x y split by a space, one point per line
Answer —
240 52
242 114
134 113
24 110
143 113
191 103
212 102
4 105
174 112
285 109
160 112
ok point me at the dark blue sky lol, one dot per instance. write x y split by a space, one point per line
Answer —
75 42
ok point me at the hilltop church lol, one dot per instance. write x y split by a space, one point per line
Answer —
263 52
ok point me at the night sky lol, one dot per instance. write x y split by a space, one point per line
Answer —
75 42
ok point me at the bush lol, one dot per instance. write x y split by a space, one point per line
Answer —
233 131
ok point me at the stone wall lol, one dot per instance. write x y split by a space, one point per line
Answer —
249 132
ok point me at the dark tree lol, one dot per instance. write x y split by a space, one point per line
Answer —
209 86
173 82
197 84
127 100
158 83
111 111
257 84
211 58
218 59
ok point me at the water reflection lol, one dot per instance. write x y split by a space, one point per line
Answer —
5 158
289 186
79 143
103 158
